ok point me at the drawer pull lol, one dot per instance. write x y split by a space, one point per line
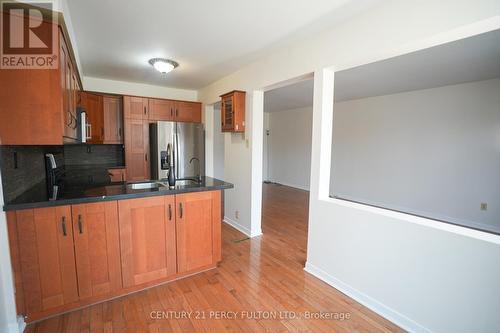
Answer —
63 225
181 212
169 212
80 224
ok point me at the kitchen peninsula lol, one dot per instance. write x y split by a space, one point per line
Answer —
93 244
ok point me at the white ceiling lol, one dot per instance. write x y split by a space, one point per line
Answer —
210 39
471 59
294 96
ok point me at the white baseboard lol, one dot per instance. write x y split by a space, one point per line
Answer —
304 188
241 228
374 305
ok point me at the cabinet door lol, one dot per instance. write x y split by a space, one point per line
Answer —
97 248
137 149
117 175
161 109
147 239
195 230
188 112
227 114
47 259
93 106
113 120
135 107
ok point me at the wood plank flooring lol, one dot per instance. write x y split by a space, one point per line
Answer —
260 286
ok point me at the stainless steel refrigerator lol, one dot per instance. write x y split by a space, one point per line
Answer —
179 147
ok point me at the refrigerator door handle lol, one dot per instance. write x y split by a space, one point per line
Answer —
176 152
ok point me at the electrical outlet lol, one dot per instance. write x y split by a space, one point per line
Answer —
484 206
237 214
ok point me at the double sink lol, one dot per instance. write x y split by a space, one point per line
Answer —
160 184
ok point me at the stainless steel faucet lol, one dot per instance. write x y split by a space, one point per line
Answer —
198 176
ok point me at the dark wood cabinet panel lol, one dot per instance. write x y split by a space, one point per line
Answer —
135 107
161 109
137 149
147 239
113 120
97 248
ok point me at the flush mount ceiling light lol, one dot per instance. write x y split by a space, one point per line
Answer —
163 65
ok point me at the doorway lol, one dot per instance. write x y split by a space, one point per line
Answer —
287 141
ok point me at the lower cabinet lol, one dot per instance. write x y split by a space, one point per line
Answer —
46 258
147 239
194 223
65 257
97 251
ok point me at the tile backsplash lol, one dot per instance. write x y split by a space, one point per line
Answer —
24 166
94 155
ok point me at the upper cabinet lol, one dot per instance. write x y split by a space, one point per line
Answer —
92 104
233 111
38 106
104 118
161 109
135 107
157 109
188 112
113 119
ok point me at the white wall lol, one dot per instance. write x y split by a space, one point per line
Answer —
289 145
137 89
218 144
432 152
370 253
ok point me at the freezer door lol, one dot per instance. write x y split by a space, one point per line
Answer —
190 142
162 134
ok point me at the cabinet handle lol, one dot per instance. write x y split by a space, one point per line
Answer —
80 224
144 110
177 112
181 212
146 157
169 212
63 225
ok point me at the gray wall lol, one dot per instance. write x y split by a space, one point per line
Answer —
433 152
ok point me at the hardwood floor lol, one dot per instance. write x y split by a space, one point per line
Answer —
259 286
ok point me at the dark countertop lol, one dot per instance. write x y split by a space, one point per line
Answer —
37 196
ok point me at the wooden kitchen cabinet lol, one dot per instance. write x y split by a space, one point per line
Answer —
113 120
46 258
117 175
135 107
188 111
197 222
233 111
38 106
93 106
161 109
137 149
147 239
97 248
66 257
